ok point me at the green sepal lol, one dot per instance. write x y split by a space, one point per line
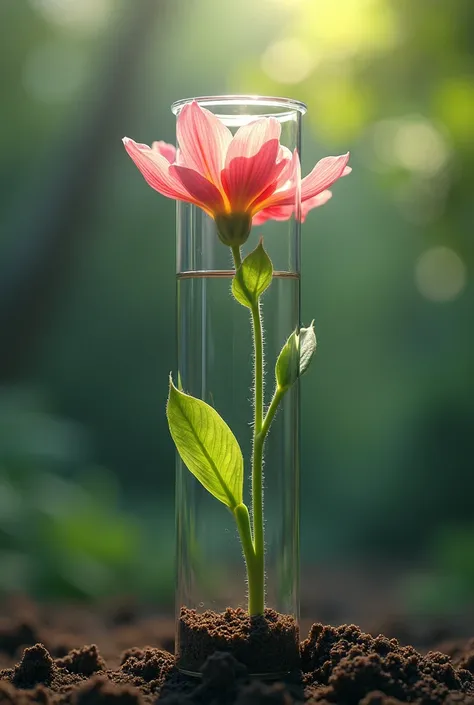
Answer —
307 345
253 277
295 357
233 229
206 446
286 368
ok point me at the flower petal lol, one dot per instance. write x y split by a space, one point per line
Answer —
249 139
285 212
285 191
272 213
263 197
203 140
319 200
155 169
324 174
287 155
284 153
205 194
168 151
245 179
284 180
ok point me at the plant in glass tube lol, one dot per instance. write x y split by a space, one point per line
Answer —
240 181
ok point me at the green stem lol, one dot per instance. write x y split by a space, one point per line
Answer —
272 409
237 257
242 518
255 556
257 462
258 365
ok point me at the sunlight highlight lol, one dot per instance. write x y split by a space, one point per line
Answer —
345 28
80 14
286 3
412 143
288 61
440 274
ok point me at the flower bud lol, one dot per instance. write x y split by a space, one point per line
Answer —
287 365
295 357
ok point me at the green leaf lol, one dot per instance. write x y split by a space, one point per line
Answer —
307 346
295 357
206 446
252 277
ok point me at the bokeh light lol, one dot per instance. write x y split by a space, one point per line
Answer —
349 27
412 143
454 101
440 274
288 61
84 15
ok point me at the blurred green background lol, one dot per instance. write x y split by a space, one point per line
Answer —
87 289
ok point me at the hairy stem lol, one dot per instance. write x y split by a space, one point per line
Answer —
256 567
257 460
253 537
272 409
237 257
242 518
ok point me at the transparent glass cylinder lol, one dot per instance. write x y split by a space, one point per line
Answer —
215 364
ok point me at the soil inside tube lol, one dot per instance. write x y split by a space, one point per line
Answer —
267 645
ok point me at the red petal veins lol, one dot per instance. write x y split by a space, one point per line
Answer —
250 172
285 212
246 178
272 213
286 155
155 169
203 140
324 174
249 139
263 197
285 191
290 175
206 195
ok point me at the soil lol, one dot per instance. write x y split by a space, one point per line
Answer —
126 661
268 644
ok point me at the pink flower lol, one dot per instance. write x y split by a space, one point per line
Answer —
233 178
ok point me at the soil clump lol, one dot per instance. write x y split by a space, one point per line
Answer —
43 660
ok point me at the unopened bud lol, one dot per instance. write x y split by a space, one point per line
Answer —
287 365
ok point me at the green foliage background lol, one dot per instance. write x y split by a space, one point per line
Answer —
87 280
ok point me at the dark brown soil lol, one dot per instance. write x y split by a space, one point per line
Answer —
268 644
43 662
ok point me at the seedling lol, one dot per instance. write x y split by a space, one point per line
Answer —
240 181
